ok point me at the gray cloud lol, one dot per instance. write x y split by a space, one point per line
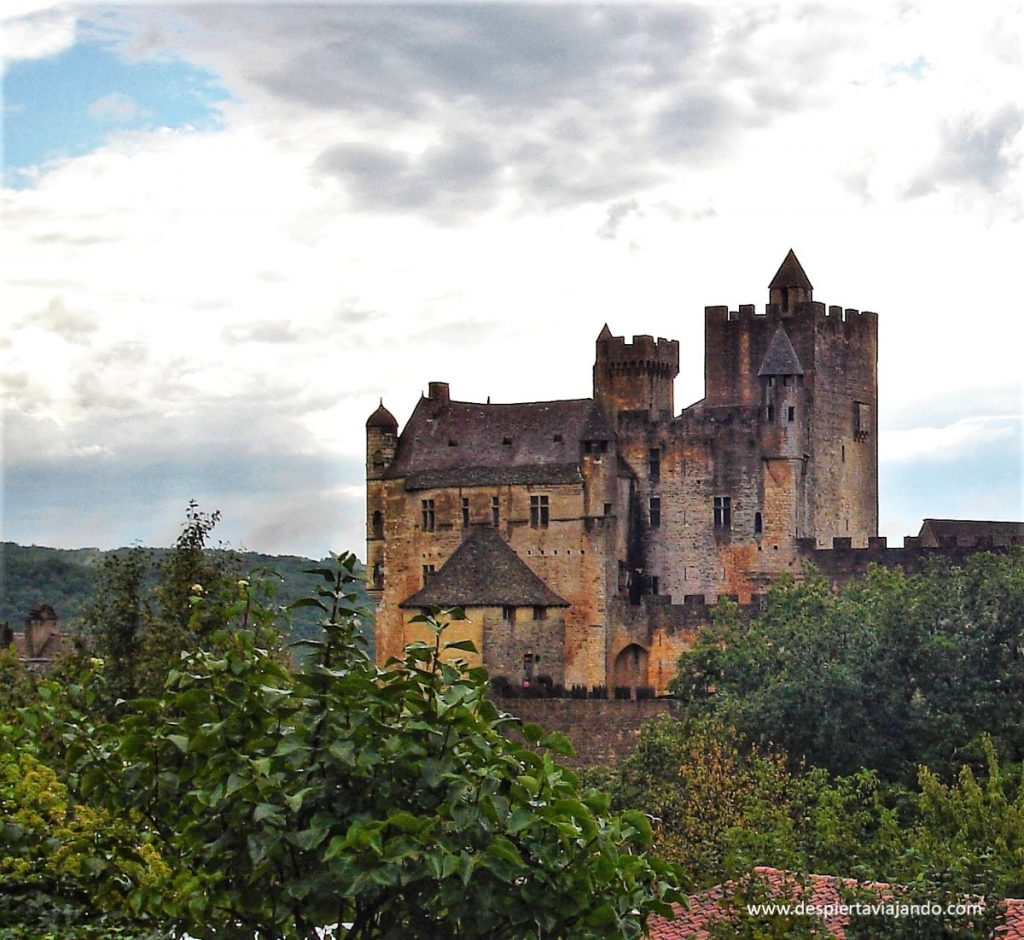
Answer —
261 331
558 105
975 151
70 325
446 180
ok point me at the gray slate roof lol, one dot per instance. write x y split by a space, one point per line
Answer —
790 274
781 357
967 531
484 571
456 443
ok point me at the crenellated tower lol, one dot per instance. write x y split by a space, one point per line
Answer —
635 376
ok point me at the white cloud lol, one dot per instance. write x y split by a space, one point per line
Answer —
457 194
34 30
115 108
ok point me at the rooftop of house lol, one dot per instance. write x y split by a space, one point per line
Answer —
968 531
713 906
484 571
457 443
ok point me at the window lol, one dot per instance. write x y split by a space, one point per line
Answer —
494 511
378 524
723 512
378 576
607 509
506 441
791 413
655 508
861 420
378 461
654 464
509 614
769 413
428 573
540 613
465 512
427 505
758 523
539 511
654 584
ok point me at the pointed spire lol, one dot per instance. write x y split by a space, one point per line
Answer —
781 358
604 334
790 274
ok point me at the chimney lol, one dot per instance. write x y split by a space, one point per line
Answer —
438 392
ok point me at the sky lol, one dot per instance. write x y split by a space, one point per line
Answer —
229 230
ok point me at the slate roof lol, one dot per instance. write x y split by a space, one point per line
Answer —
790 274
484 571
382 418
457 443
967 531
781 357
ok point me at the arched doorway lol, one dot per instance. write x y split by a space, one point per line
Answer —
630 669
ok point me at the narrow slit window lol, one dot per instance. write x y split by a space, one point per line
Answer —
465 512
758 523
654 464
494 511
427 508
655 511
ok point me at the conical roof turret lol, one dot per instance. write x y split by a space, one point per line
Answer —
382 418
781 357
791 274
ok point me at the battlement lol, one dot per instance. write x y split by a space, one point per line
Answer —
644 349
803 311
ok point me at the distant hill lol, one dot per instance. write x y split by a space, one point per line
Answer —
66 579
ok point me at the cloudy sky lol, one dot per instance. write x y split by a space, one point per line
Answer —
228 230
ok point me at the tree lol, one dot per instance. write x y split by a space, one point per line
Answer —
888 673
117 618
387 799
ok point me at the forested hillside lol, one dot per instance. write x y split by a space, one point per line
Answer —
67 579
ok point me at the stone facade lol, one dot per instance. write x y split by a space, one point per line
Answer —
633 517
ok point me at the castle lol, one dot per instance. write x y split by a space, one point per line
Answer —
586 539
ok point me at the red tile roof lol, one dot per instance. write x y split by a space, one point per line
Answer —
712 906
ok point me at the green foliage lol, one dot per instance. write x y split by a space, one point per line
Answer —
343 793
888 673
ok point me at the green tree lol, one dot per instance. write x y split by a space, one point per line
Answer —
388 799
888 673
118 617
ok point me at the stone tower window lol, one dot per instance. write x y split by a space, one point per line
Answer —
539 511
427 508
465 512
769 413
494 511
378 524
722 507
655 510
378 575
378 461
758 523
654 464
791 413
